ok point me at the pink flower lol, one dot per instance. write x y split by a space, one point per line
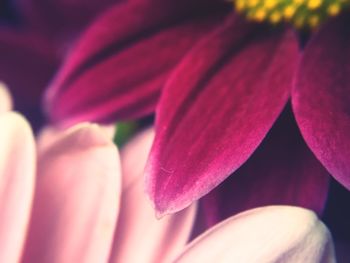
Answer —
77 204
221 87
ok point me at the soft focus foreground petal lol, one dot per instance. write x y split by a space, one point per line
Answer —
5 99
50 134
282 171
134 156
17 177
262 235
119 75
138 229
27 64
321 97
216 109
77 199
56 17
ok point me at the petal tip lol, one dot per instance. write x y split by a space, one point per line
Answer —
88 134
6 103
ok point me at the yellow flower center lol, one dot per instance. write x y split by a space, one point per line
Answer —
301 13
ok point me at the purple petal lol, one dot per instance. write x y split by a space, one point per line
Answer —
27 63
216 109
321 97
282 171
119 66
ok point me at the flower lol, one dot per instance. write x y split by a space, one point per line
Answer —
149 29
34 39
223 87
76 207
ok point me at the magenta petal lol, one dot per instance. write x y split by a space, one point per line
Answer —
321 97
26 65
282 171
118 73
216 109
138 228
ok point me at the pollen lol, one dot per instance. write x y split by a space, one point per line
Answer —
314 4
307 14
314 21
260 14
275 17
289 11
333 10
270 4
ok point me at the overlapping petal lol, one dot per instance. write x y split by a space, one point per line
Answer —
282 171
321 97
77 199
216 109
115 76
138 229
17 180
266 234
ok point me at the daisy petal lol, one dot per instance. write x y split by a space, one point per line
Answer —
120 75
213 113
77 199
138 229
321 97
282 171
51 134
5 99
267 234
17 177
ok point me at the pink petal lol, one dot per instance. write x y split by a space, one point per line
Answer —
5 99
17 177
138 229
267 234
216 109
119 75
51 134
321 97
77 199
281 171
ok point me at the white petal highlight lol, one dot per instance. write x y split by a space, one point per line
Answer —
268 234
5 99
17 176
